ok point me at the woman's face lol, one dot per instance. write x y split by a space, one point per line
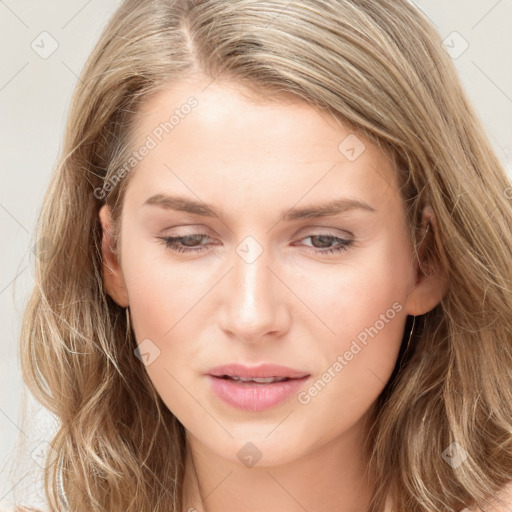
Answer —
265 279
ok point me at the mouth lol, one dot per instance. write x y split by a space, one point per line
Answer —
255 388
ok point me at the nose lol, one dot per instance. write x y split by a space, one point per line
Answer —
255 300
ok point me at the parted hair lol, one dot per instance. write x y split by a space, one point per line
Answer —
378 66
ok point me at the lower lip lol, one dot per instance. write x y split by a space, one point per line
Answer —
251 396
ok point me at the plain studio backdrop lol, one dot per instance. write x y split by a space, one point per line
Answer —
44 46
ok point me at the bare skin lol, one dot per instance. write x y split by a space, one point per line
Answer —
290 306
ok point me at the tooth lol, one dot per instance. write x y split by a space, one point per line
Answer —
260 380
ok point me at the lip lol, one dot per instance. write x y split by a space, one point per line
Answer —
254 396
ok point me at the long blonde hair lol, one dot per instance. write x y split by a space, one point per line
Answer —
377 65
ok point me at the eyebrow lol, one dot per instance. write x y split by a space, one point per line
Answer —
194 207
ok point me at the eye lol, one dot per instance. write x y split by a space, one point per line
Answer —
181 243
326 239
189 243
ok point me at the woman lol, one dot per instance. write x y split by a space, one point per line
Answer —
278 269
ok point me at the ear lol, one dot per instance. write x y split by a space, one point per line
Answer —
113 280
431 279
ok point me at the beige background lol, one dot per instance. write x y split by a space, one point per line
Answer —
34 98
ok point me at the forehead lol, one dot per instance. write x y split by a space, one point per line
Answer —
277 150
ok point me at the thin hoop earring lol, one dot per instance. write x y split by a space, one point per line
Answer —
128 322
410 335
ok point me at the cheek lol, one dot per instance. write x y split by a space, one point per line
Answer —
367 289
161 291
363 303
162 304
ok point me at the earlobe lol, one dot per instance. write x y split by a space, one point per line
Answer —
113 280
431 278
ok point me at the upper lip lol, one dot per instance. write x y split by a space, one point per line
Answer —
261 371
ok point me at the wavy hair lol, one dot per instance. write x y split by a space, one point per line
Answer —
376 65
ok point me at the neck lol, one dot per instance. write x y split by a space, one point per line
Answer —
332 477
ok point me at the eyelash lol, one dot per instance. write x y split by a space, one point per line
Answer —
172 242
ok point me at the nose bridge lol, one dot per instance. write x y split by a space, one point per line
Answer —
252 300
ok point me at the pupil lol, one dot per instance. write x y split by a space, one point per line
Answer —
191 238
325 238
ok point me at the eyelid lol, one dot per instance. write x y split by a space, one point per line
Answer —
305 224
325 230
188 230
